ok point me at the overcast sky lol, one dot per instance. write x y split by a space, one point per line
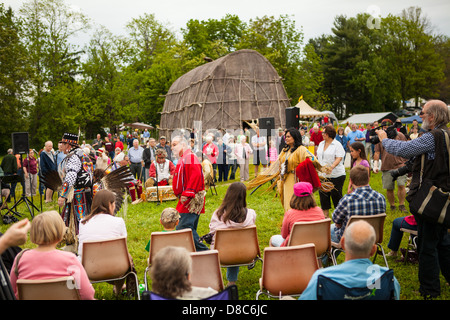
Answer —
314 17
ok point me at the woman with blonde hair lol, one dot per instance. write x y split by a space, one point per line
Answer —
47 262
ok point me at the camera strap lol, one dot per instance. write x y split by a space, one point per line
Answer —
447 143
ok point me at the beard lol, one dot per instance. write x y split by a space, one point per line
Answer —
426 124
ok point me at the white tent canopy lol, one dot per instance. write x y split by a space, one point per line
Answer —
370 117
306 111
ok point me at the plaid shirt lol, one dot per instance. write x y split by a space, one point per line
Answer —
362 201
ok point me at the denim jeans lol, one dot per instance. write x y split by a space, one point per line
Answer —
396 234
232 274
190 220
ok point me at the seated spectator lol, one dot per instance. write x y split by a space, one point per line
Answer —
161 171
170 273
169 221
408 222
101 224
362 201
358 242
119 155
303 208
232 213
47 262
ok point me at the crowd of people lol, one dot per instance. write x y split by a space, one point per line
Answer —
295 161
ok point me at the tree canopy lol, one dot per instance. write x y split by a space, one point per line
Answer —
49 86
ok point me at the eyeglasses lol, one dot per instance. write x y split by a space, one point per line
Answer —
422 113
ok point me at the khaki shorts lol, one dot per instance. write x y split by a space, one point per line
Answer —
389 183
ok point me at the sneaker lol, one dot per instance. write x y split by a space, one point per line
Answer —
402 208
393 208
392 254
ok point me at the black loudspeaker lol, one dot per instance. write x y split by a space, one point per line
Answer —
292 117
20 142
267 124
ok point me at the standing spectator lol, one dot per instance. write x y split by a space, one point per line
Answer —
280 140
330 154
118 143
434 239
98 142
48 163
222 164
137 162
259 151
390 162
60 155
163 144
211 150
305 138
231 157
243 153
30 170
232 213
342 138
316 137
272 153
109 148
368 144
9 166
355 135
145 136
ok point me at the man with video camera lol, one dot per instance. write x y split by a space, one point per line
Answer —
390 162
433 237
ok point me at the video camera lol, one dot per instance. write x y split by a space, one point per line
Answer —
391 131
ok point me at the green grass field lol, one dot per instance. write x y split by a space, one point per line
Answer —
143 218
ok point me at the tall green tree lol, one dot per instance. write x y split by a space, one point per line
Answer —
13 78
411 53
49 28
279 40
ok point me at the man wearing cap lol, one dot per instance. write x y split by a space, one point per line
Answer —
163 144
76 195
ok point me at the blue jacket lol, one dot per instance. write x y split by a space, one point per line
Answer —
343 141
46 164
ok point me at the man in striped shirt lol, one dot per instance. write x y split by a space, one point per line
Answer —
362 201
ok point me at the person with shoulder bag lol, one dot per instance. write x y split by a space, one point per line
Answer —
430 168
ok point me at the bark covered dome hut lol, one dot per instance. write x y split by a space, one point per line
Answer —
226 93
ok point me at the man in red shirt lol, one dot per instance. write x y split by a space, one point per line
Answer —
316 137
118 143
189 186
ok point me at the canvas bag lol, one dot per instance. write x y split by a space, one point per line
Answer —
430 202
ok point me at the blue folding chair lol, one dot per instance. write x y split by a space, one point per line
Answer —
229 293
381 289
